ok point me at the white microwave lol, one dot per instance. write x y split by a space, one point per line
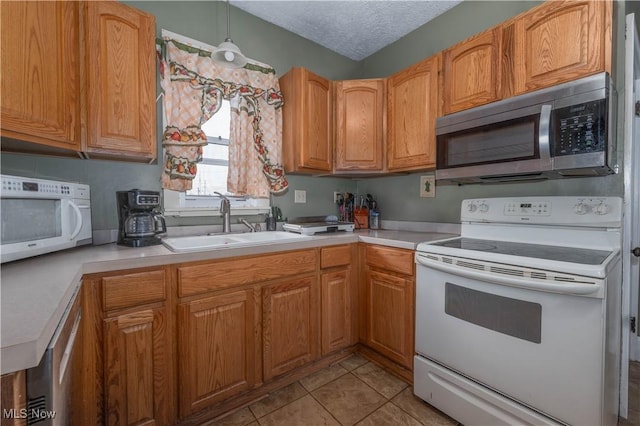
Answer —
41 216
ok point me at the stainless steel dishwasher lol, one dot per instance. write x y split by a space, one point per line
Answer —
49 383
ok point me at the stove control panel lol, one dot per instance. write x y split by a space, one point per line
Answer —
578 211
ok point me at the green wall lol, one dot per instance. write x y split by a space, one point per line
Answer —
397 195
456 24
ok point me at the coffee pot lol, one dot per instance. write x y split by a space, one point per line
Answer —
140 223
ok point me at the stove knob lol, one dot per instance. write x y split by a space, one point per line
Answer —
581 208
484 208
472 208
602 209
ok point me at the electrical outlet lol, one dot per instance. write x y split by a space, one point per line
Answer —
336 195
300 196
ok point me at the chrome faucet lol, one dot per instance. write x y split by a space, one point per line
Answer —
252 228
225 209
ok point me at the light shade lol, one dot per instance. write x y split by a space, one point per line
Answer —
229 55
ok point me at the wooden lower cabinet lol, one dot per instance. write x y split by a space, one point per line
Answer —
291 316
390 322
13 393
136 366
389 303
338 304
127 362
336 310
218 348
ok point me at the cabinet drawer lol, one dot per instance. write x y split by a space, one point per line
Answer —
391 259
222 274
335 256
123 291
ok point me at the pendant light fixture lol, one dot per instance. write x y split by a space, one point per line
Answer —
228 54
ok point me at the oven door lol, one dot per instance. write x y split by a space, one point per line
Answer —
542 349
512 144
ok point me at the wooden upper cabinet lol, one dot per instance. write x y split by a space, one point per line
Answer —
307 135
40 73
412 108
360 114
472 72
121 81
556 42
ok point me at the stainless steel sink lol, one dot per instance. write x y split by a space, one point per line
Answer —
221 241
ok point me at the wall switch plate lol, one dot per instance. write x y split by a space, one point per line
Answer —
428 186
300 196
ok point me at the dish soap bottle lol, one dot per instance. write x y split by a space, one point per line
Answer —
374 216
271 222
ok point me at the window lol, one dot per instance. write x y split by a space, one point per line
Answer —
201 199
212 171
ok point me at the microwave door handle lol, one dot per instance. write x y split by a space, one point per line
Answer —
544 145
76 209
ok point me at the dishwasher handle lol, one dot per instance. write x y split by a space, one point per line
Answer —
64 362
580 289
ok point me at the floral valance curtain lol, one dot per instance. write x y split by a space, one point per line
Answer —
194 86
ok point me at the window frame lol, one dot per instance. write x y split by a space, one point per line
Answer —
178 203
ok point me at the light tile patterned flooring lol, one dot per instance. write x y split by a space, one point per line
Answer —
353 392
358 392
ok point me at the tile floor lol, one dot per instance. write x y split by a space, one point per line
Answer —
353 392
358 392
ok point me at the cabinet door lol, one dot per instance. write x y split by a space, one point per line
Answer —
307 137
40 73
413 105
360 125
121 83
137 367
559 41
291 335
13 396
336 310
472 72
390 316
217 348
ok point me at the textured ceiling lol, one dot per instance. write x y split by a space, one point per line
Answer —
352 28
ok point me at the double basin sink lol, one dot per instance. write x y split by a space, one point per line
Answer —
221 241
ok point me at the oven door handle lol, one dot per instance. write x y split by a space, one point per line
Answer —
511 281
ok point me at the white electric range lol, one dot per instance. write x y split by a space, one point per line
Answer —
518 319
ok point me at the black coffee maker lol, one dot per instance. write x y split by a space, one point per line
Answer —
140 224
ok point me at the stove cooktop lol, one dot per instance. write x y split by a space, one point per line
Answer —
535 251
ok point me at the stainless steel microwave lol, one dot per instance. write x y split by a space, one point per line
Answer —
561 131
41 216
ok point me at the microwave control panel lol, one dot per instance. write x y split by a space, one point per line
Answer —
16 186
580 129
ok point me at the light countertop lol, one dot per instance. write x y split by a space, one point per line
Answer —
35 292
